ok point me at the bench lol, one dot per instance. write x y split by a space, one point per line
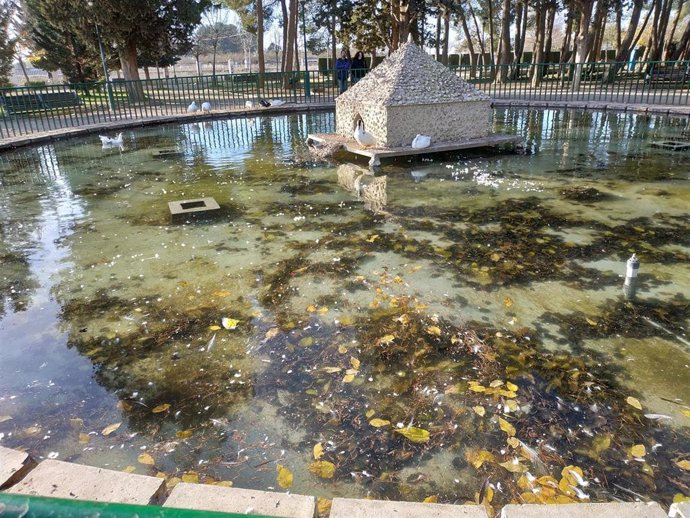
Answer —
37 101
677 76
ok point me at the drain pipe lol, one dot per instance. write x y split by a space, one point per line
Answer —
630 285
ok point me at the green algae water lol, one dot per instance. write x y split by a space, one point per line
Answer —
463 327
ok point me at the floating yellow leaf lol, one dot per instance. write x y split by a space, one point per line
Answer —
369 413
495 257
191 477
354 362
348 378
476 387
386 339
683 464
378 423
514 442
506 426
220 293
229 323
591 322
323 506
417 435
496 383
161 408
146 459
686 413
433 499
570 474
332 370
307 341
433 330
638 451
129 469
311 308
507 302
318 451
511 386
342 349
480 457
322 468
84 438
633 402
512 405
514 466
373 238
323 310
111 428
479 410
272 333
215 328
183 434
404 319
680 497
284 477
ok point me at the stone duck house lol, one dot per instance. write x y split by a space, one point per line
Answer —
410 93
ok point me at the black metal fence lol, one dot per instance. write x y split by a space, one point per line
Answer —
28 110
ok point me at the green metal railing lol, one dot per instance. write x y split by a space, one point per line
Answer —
22 506
27 110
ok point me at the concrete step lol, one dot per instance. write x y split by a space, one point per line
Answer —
353 508
681 510
241 501
613 510
57 479
13 466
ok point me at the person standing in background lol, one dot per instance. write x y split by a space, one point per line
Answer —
342 69
358 67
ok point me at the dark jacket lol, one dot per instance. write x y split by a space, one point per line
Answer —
359 68
342 67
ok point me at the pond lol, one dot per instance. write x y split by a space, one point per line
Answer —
462 331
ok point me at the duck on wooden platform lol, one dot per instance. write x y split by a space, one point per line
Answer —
192 108
421 142
206 107
363 138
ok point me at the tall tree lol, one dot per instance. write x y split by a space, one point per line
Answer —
7 43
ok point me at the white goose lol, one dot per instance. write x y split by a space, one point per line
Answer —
206 107
421 141
110 141
192 108
362 137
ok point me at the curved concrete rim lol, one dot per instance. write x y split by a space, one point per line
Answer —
62 133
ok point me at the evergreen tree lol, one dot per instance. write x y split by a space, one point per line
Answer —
7 44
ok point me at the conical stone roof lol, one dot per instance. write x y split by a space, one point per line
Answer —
410 76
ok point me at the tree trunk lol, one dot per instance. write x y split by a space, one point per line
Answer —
446 36
521 34
128 63
283 8
289 45
548 41
260 41
479 37
568 32
470 45
623 53
504 55
395 26
683 48
491 32
147 74
538 50
334 50
662 12
619 25
438 36
213 67
584 39
674 26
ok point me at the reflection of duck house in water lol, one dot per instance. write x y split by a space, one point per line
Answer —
186 210
408 94
364 185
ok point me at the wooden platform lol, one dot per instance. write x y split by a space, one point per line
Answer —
375 154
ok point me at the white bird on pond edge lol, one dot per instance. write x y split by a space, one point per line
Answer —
206 107
192 108
249 104
110 141
421 141
362 137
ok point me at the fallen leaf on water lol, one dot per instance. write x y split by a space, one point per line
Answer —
496 383
129 469
272 333
506 426
348 378
284 477
354 362
342 349
332 370
318 451
110 428
433 330
373 238
680 497
220 293
591 322
323 310
191 477
215 328
323 506
480 457
183 434
514 442
479 410
417 435
307 341
311 308
386 339
507 302
322 468
638 451
84 438
686 413
146 459
369 413
634 402
161 408
431 499
511 386
514 466
229 323
378 423
683 464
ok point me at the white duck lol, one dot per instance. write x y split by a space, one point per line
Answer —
277 102
110 141
192 108
206 107
362 137
421 141
249 104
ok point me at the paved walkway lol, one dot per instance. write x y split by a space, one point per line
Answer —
20 475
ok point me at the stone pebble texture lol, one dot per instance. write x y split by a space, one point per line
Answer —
410 93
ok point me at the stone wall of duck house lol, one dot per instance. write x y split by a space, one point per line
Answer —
374 117
444 122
